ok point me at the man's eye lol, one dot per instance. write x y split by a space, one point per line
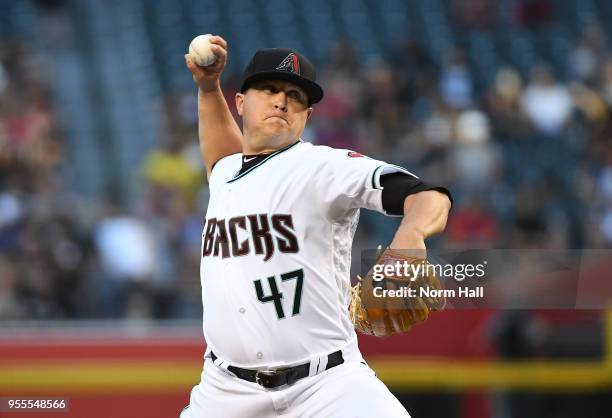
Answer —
294 95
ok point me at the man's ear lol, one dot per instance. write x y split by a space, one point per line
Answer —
239 102
310 110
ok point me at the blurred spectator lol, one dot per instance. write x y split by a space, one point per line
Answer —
547 104
586 56
175 168
11 212
438 129
503 105
125 246
590 104
473 157
438 136
126 250
455 80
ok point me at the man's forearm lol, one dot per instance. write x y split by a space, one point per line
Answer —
425 214
218 131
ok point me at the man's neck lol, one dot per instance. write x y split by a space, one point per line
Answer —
248 148
251 160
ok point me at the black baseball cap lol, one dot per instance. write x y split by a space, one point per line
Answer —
283 64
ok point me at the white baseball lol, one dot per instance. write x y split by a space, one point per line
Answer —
200 52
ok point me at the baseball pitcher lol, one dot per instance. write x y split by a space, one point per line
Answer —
279 311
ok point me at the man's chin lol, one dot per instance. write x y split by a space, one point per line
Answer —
279 140
277 129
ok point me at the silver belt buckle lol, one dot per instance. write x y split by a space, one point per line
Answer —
259 373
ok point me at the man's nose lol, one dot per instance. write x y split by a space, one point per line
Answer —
280 101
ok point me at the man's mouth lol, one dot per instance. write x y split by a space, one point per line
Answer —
278 117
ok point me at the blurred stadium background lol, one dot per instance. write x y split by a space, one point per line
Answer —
102 192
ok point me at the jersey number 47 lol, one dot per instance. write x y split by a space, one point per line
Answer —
277 296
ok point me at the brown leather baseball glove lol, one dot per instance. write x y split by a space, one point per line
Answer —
386 307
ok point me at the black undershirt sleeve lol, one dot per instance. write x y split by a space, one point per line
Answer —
398 186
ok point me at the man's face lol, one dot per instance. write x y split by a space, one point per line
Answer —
274 112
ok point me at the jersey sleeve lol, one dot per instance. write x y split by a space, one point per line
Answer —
347 180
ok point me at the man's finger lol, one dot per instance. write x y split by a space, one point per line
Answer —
218 51
189 62
192 66
219 41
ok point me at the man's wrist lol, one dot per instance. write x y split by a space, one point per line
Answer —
213 88
408 238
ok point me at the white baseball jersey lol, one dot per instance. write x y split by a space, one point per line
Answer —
276 253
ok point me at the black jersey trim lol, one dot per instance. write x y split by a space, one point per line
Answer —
264 160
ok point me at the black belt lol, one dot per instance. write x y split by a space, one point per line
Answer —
274 378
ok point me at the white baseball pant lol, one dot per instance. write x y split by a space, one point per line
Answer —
348 390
